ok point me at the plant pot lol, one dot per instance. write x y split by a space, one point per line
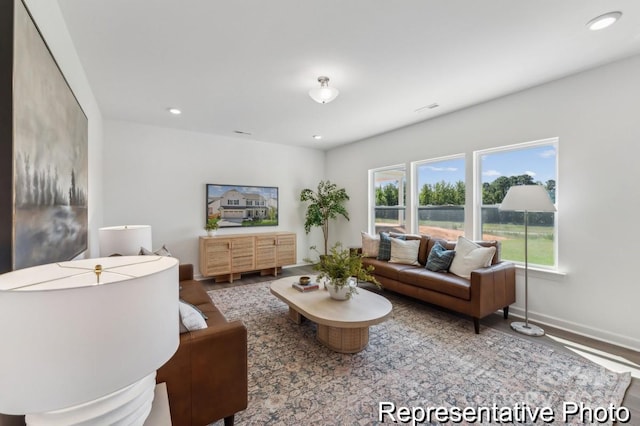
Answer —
343 292
211 233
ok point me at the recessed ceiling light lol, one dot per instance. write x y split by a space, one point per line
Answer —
174 111
317 137
240 132
603 21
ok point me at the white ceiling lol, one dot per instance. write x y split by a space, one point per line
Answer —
247 65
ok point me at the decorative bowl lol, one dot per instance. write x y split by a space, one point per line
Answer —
305 280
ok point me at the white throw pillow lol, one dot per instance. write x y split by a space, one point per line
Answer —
404 251
370 244
469 257
190 318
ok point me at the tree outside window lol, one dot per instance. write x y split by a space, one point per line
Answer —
390 195
441 197
500 169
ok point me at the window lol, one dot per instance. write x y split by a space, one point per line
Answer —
440 196
499 169
389 194
438 189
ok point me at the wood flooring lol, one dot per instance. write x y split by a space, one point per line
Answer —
558 339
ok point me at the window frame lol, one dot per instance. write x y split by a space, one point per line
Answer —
415 187
371 225
477 192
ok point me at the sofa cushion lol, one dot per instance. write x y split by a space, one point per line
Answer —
385 269
193 292
370 244
404 251
469 257
440 258
448 284
384 251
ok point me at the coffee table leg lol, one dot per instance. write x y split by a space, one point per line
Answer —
295 316
344 340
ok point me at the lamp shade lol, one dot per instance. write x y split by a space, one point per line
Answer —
68 340
124 240
531 198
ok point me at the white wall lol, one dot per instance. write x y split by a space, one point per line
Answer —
157 176
595 116
48 17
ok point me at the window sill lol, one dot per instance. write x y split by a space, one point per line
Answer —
549 274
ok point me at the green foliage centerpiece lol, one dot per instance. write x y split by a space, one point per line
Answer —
212 225
342 267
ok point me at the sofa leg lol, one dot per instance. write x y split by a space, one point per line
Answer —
228 421
476 325
505 312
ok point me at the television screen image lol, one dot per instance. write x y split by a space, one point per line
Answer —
240 205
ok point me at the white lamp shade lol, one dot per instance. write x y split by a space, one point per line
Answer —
124 240
67 340
323 94
531 198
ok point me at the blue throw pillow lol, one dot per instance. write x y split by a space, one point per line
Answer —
440 258
384 252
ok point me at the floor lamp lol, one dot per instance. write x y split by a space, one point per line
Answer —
527 198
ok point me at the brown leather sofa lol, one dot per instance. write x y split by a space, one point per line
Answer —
207 376
488 290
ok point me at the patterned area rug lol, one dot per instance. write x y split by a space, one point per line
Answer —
420 358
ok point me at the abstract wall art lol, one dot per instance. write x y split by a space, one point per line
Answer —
45 130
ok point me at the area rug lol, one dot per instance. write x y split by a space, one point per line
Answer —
420 362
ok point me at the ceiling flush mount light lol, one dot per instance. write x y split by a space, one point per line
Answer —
323 94
603 21
174 111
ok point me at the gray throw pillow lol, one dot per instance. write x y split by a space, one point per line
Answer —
440 258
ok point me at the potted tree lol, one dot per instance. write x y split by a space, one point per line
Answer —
324 204
343 269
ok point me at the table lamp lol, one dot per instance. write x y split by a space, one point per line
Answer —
82 340
124 240
527 198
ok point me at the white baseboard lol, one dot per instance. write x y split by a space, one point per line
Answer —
580 329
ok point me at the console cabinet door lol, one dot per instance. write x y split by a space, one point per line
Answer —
243 254
266 251
215 256
286 250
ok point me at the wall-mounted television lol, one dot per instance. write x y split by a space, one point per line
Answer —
242 205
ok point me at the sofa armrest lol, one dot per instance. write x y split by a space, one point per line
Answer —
207 377
493 287
185 272
219 367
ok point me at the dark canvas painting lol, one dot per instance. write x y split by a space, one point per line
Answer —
50 154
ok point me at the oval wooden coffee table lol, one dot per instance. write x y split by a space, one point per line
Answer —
343 325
